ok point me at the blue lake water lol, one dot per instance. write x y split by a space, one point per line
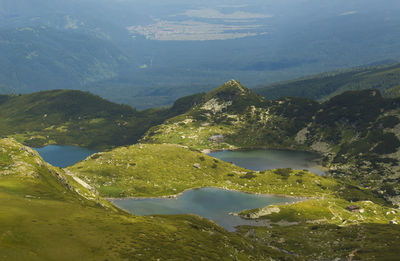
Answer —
212 203
63 156
271 159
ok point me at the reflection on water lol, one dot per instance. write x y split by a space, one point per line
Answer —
211 203
271 159
63 156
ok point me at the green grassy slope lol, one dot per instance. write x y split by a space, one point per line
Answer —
243 118
357 132
166 169
78 118
330 242
46 215
319 228
149 170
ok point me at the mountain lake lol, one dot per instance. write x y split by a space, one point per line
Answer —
63 156
271 159
212 203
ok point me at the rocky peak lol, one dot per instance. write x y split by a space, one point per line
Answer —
228 91
231 96
235 84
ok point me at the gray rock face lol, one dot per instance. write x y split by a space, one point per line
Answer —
216 138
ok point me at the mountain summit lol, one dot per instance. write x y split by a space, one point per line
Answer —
232 96
348 130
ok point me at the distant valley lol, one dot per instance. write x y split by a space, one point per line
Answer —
149 54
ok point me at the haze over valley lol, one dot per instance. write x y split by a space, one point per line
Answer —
148 53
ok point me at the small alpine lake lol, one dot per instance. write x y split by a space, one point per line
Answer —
63 156
212 203
271 159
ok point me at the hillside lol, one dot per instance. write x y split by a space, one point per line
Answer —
385 78
324 218
58 211
130 172
43 58
78 118
46 215
356 132
232 116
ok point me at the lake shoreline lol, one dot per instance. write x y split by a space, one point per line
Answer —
175 196
225 213
316 159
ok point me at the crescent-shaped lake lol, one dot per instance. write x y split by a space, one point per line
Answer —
212 203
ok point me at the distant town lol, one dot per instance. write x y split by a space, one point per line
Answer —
194 31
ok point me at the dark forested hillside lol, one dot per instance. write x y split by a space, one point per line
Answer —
80 118
385 78
42 58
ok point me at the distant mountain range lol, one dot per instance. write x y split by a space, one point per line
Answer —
148 54
42 58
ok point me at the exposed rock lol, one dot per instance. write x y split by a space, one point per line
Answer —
263 212
251 233
216 138
322 147
301 136
214 106
353 208
197 166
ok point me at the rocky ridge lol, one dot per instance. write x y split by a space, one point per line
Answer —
357 132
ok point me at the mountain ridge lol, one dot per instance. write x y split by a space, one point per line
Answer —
72 117
384 78
342 129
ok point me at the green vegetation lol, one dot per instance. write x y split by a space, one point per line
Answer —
319 242
384 78
46 215
78 118
239 117
148 170
131 171
348 130
327 210
42 58
357 132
